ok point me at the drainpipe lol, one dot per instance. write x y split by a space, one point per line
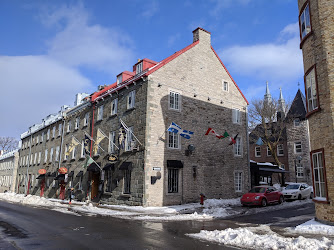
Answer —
248 158
27 182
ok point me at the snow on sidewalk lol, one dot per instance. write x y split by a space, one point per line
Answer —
262 238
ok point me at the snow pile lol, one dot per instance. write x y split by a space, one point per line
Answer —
254 238
314 227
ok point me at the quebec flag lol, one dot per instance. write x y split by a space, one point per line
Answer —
174 128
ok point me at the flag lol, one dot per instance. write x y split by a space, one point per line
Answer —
88 161
259 142
99 137
73 144
86 144
233 140
212 132
174 128
225 135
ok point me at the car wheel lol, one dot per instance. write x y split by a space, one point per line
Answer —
281 199
299 197
264 202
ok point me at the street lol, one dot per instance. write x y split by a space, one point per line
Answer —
26 227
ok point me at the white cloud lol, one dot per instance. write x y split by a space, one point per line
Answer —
279 61
172 39
150 9
219 5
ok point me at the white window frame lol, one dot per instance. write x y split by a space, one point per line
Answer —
80 183
42 137
129 139
298 147
54 132
114 104
48 134
139 68
236 116
37 139
174 100
320 189
305 21
269 152
173 140
74 152
60 127
65 155
82 150
45 155
237 147
35 159
112 141
300 170
311 90
257 151
280 150
39 157
69 126
77 123
238 181
119 79
51 154
100 113
131 99
57 154
86 119
225 86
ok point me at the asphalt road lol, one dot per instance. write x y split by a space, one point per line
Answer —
26 227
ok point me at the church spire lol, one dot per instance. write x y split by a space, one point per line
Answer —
267 96
281 104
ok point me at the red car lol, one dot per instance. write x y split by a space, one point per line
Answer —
262 195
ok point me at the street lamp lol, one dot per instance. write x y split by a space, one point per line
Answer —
299 158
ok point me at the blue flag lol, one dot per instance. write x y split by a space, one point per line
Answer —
174 128
259 142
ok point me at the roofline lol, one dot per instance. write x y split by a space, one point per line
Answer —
229 75
199 28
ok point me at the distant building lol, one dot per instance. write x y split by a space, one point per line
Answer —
8 170
316 20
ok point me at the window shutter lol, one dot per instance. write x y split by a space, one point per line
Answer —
234 116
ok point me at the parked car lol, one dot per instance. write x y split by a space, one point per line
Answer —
298 191
261 196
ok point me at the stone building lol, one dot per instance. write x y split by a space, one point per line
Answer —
133 159
8 170
316 20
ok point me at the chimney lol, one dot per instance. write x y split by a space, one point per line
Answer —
202 35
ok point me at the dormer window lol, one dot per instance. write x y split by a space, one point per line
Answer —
119 79
139 67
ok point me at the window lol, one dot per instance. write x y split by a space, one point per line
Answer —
74 152
112 142
51 155
54 132
57 154
114 106
48 135
311 91
119 79
173 180
282 166
296 122
127 181
174 100
280 151
42 137
69 126
60 127
320 189
31 159
82 150
129 139
35 159
304 22
225 86
139 67
100 113
237 147
257 151
238 181
298 147
268 151
236 116
39 157
45 155
77 123
86 119
37 139
66 149
299 170
173 140
80 183
131 99
108 175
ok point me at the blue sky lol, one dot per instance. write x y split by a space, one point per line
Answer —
51 50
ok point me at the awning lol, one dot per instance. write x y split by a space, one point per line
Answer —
41 176
109 166
126 165
273 170
93 167
60 177
174 164
79 174
71 174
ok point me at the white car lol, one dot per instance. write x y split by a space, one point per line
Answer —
298 191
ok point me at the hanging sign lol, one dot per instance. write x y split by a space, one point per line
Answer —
62 170
42 171
112 157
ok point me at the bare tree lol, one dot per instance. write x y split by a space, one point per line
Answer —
8 143
267 121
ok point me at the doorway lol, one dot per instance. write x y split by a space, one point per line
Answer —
95 185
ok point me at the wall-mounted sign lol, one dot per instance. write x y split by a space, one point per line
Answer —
156 169
62 170
112 157
42 171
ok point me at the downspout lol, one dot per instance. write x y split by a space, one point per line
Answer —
248 158
28 182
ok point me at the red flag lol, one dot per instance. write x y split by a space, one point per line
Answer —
233 140
212 132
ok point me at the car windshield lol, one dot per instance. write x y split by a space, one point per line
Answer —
257 190
292 186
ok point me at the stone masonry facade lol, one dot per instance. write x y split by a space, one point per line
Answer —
318 57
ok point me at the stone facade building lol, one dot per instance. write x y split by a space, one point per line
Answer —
8 170
133 159
316 20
